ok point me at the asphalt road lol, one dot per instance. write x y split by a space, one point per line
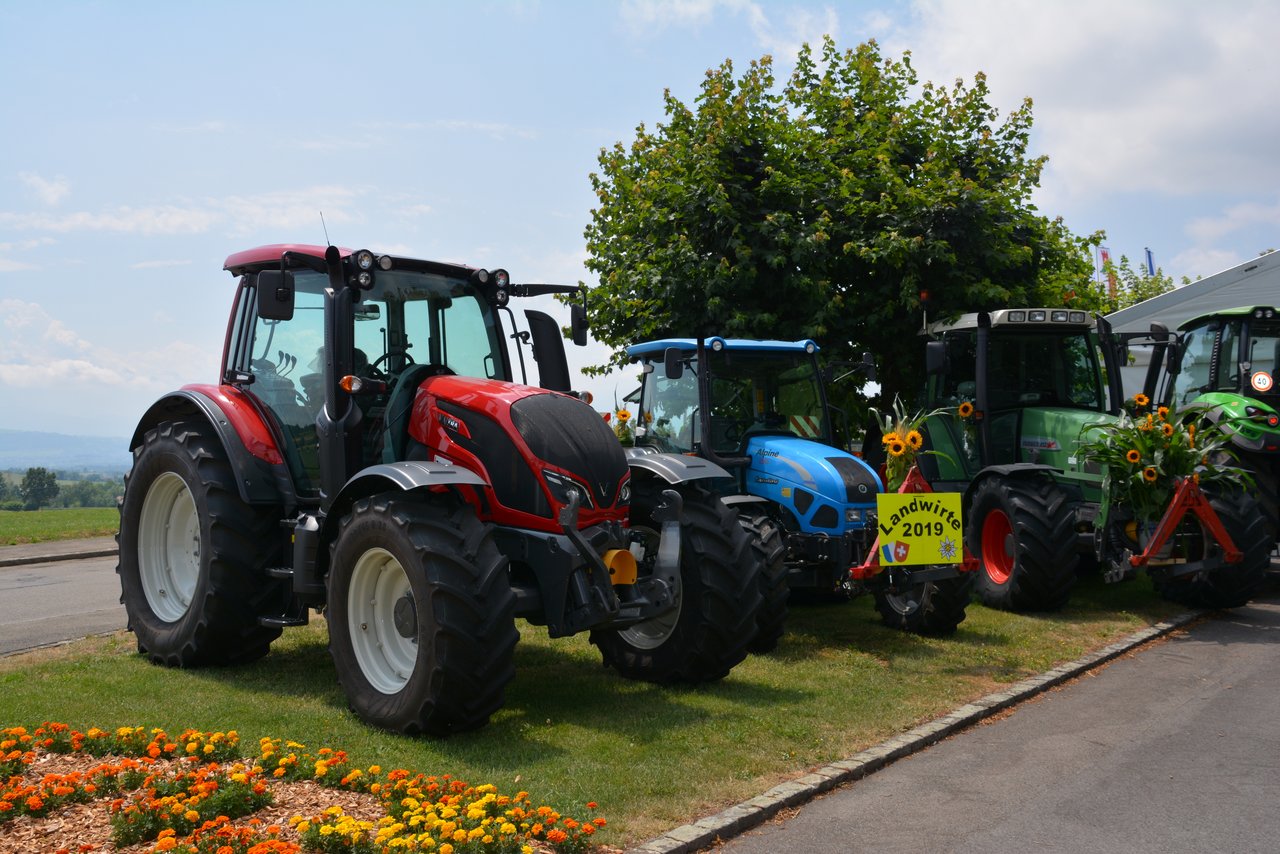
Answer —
1173 748
48 603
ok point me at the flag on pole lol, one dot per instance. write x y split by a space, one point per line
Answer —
1151 263
1111 276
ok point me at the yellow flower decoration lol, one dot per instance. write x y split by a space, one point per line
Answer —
1133 456
897 448
1141 400
915 440
891 438
1163 412
1149 474
965 409
624 416
1166 428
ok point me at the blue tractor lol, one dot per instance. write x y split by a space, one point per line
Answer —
759 409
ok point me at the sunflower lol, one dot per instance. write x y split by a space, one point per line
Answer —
1163 412
1133 456
897 448
965 409
1167 429
1149 474
915 440
1141 401
891 438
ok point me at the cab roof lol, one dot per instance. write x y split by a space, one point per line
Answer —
267 257
635 351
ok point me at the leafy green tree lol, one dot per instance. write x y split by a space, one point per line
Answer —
838 207
4 488
38 488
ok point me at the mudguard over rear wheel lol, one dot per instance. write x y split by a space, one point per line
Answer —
1021 529
717 595
421 614
192 554
934 608
1234 584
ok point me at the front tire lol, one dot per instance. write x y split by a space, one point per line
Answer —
421 615
1021 529
931 608
192 554
1234 584
770 553
717 595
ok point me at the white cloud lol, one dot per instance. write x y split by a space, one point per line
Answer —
48 191
166 219
1235 219
10 266
780 36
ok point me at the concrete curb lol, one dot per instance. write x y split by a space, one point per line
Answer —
23 559
748 814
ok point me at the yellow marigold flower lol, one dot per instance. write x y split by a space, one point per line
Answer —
1133 456
1149 474
191 815
446 848
915 440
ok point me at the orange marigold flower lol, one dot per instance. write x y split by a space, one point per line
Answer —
1149 474
1133 456
592 805
557 836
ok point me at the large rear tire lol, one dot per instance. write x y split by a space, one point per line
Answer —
1232 585
717 595
192 554
770 553
932 608
1021 529
421 615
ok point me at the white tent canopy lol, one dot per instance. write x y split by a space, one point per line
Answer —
1255 282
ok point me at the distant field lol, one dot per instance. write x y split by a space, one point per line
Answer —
37 526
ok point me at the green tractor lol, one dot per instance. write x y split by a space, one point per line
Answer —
1022 391
1227 361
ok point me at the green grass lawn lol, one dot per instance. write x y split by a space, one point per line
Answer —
571 731
37 526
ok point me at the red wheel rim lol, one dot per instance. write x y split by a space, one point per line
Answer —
997 531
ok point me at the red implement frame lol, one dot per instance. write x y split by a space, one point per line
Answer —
1188 498
869 568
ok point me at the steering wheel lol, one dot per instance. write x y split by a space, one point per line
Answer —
381 374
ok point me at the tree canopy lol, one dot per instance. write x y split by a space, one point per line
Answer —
38 488
838 207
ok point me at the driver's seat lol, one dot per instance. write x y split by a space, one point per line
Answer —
395 435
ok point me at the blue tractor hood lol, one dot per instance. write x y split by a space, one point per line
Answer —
827 490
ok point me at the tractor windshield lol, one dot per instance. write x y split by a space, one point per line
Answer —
1024 369
1216 358
764 392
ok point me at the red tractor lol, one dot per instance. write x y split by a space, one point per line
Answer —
367 454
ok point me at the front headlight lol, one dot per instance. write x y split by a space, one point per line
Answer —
560 486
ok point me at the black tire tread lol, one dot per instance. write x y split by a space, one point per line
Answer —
721 595
943 606
1233 585
473 609
1042 516
237 545
770 551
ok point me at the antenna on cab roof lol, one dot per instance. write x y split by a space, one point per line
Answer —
326 229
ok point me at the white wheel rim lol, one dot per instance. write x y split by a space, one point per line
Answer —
652 634
907 602
169 547
386 656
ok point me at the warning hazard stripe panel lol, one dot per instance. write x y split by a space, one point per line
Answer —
808 426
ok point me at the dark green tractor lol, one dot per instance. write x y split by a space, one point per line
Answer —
1023 391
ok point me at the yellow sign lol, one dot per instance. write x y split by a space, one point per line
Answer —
920 528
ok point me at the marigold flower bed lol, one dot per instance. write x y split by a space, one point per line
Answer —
140 790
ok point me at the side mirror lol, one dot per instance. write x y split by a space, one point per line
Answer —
673 363
869 367
275 295
935 357
1159 332
578 323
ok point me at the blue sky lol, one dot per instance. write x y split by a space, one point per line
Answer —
143 142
